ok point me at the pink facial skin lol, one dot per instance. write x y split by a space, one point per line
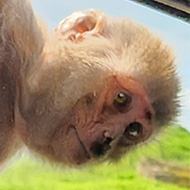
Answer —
99 124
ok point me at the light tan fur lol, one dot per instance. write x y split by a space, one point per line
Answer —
43 77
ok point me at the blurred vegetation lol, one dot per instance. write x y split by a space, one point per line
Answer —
173 146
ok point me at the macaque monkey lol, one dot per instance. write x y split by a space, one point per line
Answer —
86 91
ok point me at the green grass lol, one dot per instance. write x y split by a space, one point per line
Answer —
27 174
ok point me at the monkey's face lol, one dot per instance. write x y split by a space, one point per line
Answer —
95 98
104 123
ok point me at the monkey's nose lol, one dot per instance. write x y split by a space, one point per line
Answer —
100 147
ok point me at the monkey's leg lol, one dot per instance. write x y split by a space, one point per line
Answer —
82 24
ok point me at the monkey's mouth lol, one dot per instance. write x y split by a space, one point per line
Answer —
107 146
100 147
81 143
97 151
104 146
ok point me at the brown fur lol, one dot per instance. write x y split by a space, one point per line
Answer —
44 79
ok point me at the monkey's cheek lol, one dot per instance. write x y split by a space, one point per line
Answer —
69 149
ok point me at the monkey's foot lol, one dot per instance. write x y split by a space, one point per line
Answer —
81 25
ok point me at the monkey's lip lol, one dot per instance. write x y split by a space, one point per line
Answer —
81 143
88 156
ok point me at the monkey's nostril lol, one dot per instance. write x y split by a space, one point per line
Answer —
108 140
133 131
99 148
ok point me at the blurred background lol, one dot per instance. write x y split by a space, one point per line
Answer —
161 164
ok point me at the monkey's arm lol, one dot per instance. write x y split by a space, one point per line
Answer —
21 38
20 45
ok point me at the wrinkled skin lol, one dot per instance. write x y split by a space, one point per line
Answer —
89 90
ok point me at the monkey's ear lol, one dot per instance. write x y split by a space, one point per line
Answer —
81 25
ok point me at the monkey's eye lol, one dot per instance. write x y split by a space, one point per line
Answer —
133 131
122 100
